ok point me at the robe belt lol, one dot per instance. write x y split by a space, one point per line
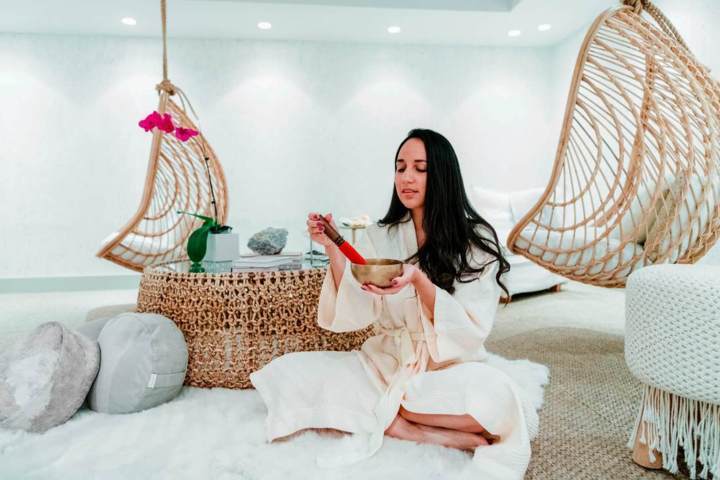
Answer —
403 339
387 405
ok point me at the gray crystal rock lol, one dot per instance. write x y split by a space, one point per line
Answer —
270 241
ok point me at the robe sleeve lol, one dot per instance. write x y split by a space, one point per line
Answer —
349 307
461 322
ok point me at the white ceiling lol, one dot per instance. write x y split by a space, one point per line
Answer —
445 22
480 5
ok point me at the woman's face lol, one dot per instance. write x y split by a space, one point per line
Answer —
411 173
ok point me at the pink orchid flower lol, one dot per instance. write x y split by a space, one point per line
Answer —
166 124
150 122
184 134
155 120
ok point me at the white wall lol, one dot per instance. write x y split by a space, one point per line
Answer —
297 126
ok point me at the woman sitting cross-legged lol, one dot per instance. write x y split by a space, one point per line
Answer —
423 375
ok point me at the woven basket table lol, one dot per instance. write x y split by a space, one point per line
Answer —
235 323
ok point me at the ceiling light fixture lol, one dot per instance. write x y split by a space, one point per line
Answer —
129 21
544 27
264 25
514 33
394 29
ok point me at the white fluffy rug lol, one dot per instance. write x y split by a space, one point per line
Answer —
219 434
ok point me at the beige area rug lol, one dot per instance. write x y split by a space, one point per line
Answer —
590 404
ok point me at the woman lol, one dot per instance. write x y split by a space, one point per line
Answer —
422 376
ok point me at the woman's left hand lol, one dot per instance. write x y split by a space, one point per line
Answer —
398 283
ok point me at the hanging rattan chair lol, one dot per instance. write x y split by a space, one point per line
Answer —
177 179
635 180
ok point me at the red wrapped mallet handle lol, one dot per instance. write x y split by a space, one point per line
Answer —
344 246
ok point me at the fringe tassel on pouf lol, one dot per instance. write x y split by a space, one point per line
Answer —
670 421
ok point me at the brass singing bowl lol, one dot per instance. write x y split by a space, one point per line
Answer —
377 271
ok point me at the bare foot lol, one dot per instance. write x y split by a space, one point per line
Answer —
489 437
453 438
404 430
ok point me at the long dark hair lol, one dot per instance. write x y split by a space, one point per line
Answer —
449 221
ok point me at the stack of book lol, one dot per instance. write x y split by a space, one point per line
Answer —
281 261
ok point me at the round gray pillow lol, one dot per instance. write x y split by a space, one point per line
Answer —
45 378
143 363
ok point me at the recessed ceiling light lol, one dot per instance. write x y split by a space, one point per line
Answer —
394 29
514 33
129 21
544 27
264 25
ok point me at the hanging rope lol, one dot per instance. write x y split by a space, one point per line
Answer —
166 85
663 22
163 15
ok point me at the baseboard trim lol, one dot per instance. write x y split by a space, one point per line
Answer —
69 284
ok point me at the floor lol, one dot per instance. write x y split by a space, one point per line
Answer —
540 310
21 312
576 307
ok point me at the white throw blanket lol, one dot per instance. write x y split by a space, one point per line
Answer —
220 434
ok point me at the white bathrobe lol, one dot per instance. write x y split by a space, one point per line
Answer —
428 362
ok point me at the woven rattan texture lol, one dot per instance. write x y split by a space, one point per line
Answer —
177 179
635 179
235 323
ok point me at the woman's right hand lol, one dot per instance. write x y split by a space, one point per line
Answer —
316 229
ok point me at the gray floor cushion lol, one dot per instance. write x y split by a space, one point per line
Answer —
144 359
45 378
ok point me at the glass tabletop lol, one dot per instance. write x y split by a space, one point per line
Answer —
227 267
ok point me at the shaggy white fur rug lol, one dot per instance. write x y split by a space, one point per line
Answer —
219 434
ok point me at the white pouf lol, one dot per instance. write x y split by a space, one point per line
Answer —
45 378
671 345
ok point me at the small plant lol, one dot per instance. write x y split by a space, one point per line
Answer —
197 242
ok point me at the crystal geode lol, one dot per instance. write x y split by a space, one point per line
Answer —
270 241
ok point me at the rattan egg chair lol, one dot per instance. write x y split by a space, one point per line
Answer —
635 180
177 179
